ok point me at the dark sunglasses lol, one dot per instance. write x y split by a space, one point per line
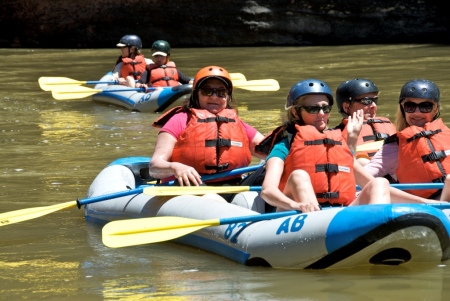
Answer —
367 100
316 109
424 107
222 93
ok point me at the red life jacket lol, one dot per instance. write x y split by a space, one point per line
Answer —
211 143
133 67
422 155
163 75
374 129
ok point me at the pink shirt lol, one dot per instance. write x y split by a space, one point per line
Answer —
178 123
384 162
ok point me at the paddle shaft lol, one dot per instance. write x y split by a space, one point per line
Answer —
87 82
109 196
140 189
234 172
201 190
123 90
416 186
77 92
251 188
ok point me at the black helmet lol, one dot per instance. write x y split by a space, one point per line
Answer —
308 86
161 46
130 40
351 89
420 88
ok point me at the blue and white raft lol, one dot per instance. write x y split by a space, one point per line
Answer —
159 100
338 237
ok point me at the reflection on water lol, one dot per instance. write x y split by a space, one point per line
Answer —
51 151
39 277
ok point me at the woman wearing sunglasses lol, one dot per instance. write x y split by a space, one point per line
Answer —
418 152
362 94
204 135
309 166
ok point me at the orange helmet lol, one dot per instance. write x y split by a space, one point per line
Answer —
213 72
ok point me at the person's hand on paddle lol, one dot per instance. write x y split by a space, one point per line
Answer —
145 86
186 175
122 81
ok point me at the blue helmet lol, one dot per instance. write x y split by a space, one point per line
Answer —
308 86
420 88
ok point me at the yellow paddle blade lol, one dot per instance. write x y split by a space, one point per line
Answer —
193 190
73 92
50 83
237 77
258 85
140 231
370 146
16 216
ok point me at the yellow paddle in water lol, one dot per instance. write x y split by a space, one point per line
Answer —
140 231
50 83
16 216
77 92
258 85
20 215
237 77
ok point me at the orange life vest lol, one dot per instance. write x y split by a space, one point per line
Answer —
211 143
133 67
423 155
374 129
325 156
163 75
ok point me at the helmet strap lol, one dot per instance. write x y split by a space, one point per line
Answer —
345 110
437 115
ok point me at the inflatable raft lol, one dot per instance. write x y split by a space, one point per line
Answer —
157 101
337 237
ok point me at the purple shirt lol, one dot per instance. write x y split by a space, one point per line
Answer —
384 162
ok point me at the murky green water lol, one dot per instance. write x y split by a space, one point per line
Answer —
51 150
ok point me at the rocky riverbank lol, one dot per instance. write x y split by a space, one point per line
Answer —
206 23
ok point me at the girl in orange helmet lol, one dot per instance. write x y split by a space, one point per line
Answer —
204 135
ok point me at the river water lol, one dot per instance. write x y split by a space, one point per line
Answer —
51 151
